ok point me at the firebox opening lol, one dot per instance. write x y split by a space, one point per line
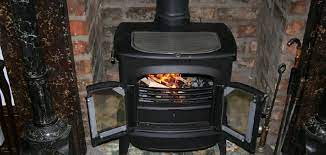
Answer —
175 101
190 92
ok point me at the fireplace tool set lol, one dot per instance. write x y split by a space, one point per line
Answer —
288 112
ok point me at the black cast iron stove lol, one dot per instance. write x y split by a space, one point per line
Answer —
174 92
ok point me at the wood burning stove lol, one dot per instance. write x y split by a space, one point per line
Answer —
174 92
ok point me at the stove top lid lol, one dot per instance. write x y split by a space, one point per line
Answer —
175 42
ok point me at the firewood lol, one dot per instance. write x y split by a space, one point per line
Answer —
151 83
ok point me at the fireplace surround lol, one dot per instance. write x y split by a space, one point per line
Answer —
172 118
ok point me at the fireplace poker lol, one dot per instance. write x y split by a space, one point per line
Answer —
286 118
262 142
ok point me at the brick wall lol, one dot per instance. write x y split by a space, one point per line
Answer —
278 21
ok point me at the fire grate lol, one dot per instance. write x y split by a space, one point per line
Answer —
174 89
182 96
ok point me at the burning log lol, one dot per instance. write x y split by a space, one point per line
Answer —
172 80
151 83
175 80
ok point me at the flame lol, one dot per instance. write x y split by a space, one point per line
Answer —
171 80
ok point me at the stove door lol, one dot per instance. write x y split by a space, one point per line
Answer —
106 111
242 111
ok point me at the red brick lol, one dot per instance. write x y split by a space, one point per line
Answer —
78 28
83 67
294 27
76 7
247 31
80 47
298 7
82 84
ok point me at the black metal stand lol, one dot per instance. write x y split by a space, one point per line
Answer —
45 134
123 145
315 128
315 136
52 139
222 147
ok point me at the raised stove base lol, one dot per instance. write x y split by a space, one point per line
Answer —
175 141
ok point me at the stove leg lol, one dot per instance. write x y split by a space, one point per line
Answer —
123 145
222 147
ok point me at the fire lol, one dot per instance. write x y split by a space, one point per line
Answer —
170 80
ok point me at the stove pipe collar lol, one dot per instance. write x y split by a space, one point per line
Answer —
172 12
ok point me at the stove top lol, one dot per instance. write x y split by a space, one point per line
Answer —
195 40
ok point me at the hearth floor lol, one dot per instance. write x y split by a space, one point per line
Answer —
113 149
